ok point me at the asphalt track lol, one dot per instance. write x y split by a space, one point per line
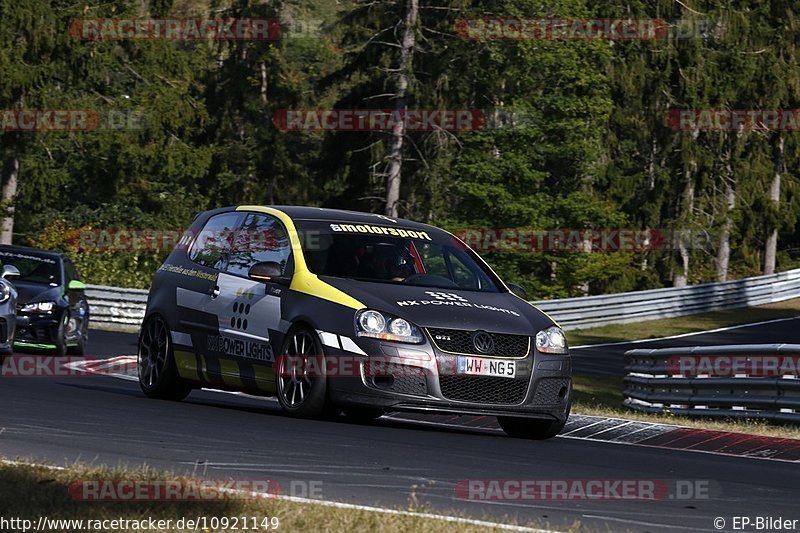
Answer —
103 420
609 359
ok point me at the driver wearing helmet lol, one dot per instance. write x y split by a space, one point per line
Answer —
389 262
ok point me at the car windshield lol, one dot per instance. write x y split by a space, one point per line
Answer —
390 254
33 267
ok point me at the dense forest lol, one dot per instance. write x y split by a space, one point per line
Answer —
578 132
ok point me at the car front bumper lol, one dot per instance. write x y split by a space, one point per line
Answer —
36 331
425 379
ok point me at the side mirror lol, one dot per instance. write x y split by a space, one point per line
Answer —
76 285
9 271
268 272
516 289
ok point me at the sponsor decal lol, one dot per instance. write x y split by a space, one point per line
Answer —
17 255
193 272
452 299
240 348
380 230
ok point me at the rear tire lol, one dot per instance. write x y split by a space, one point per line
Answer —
158 375
301 393
531 428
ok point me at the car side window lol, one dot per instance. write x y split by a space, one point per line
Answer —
213 244
440 262
261 238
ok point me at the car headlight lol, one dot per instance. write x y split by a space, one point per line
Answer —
5 292
551 340
38 307
370 323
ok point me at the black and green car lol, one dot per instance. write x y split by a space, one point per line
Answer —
52 310
341 311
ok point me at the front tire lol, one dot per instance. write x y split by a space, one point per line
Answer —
531 428
158 375
300 375
83 339
61 335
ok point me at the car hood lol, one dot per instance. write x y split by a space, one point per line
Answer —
35 292
448 308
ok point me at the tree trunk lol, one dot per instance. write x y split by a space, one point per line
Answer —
10 174
771 247
681 277
724 249
393 175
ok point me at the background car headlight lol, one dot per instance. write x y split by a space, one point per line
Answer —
38 307
551 340
379 325
5 292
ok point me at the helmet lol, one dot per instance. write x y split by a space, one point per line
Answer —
387 261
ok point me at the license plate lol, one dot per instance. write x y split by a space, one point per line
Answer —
475 366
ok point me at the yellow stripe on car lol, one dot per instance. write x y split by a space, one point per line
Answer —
231 375
186 363
304 280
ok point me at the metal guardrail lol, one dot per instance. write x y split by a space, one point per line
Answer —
114 305
593 311
757 381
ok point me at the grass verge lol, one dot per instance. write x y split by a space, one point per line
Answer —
602 396
28 491
685 324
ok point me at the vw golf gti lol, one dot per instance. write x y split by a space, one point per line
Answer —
342 311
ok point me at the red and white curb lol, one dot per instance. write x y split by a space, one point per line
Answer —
581 427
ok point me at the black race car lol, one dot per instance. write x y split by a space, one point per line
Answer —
333 310
52 310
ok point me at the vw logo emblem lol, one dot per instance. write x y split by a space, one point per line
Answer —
483 342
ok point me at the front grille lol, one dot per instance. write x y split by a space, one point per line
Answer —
460 341
34 334
483 389
548 391
407 379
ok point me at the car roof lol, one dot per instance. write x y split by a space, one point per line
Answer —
30 249
296 212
